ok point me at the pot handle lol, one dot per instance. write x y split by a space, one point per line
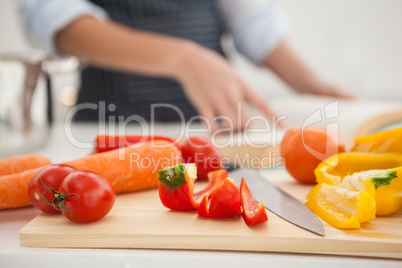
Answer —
49 98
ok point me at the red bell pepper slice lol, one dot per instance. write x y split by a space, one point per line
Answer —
104 143
176 186
223 202
215 179
253 212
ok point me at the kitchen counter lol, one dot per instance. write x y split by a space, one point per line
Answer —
64 145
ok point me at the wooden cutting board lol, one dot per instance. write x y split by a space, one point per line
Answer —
138 220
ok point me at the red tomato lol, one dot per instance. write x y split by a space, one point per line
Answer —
304 150
52 176
206 157
92 196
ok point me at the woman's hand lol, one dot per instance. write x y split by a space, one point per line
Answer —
215 89
287 65
326 89
210 83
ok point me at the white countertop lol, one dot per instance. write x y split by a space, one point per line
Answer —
59 148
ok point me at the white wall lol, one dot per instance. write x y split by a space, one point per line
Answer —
356 43
11 38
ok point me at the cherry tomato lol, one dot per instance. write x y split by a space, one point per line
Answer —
90 198
51 176
303 150
206 157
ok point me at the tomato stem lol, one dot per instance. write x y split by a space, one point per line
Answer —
59 198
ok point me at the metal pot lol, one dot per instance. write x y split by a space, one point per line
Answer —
25 102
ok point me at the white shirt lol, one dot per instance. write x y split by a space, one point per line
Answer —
257 26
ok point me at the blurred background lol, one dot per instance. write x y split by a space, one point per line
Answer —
354 43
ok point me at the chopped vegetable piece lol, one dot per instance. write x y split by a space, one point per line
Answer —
215 179
223 202
253 212
383 142
341 208
176 187
383 185
335 168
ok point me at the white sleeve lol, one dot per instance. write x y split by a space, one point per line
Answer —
42 19
258 26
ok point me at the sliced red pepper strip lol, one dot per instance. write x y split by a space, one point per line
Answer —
223 202
215 179
104 143
253 212
176 187
176 190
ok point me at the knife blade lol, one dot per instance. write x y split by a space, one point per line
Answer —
278 201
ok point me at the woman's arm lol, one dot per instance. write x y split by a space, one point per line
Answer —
259 29
287 65
111 45
208 80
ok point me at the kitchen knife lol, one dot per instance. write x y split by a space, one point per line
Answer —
278 201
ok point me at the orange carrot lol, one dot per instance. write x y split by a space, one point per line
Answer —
128 169
131 168
14 189
20 163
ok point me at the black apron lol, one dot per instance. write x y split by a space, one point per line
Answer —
126 94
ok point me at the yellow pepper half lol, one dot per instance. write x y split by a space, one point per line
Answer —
385 186
355 186
369 172
340 207
335 168
389 141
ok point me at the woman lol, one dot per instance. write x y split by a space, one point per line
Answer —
141 53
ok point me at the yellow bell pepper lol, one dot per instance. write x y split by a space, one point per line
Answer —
355 186
389 141
385 186
340 207
335 168
360 171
